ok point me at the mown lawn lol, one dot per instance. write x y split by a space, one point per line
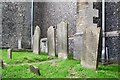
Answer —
24 57
60 69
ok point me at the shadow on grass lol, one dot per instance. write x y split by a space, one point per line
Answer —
111 68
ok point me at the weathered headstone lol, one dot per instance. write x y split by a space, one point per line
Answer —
62 40
19 43
36 40
9 53
78 44
44 45
84 19
51 41
34 69
89 58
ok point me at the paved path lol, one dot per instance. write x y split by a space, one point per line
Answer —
53 60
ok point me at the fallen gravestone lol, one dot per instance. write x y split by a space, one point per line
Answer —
36 40
89 58
51 41
62 40
9 53
34 69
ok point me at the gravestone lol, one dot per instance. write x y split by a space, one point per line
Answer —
36 40
9 53
78 44
89 58
1 63
62 40
51 41
44 45
84 18
4 64
19 43
34 69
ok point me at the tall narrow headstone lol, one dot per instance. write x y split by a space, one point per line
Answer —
9 53
89 58
36 40
62 40
51 41
85 13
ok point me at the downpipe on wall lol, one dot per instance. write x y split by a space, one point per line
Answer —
103 32
31 24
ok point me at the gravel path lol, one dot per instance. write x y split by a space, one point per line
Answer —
53 60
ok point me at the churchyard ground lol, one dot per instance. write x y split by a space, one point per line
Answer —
18 67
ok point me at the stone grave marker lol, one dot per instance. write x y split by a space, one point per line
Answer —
44 45
9 53
36 40
84 18
5 65
51 41
89 58
19 43
62 40
1 63
34 69
78 44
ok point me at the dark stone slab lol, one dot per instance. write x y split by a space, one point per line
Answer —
1 63
34 69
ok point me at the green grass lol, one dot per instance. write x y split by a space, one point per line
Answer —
24 57
60 69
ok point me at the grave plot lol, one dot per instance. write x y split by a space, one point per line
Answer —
24 57
60 69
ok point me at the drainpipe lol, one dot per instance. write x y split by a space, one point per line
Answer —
103 32
31 23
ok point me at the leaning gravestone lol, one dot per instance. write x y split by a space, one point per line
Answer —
36 40
34 69
62 40
89 58
51 41
9 53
